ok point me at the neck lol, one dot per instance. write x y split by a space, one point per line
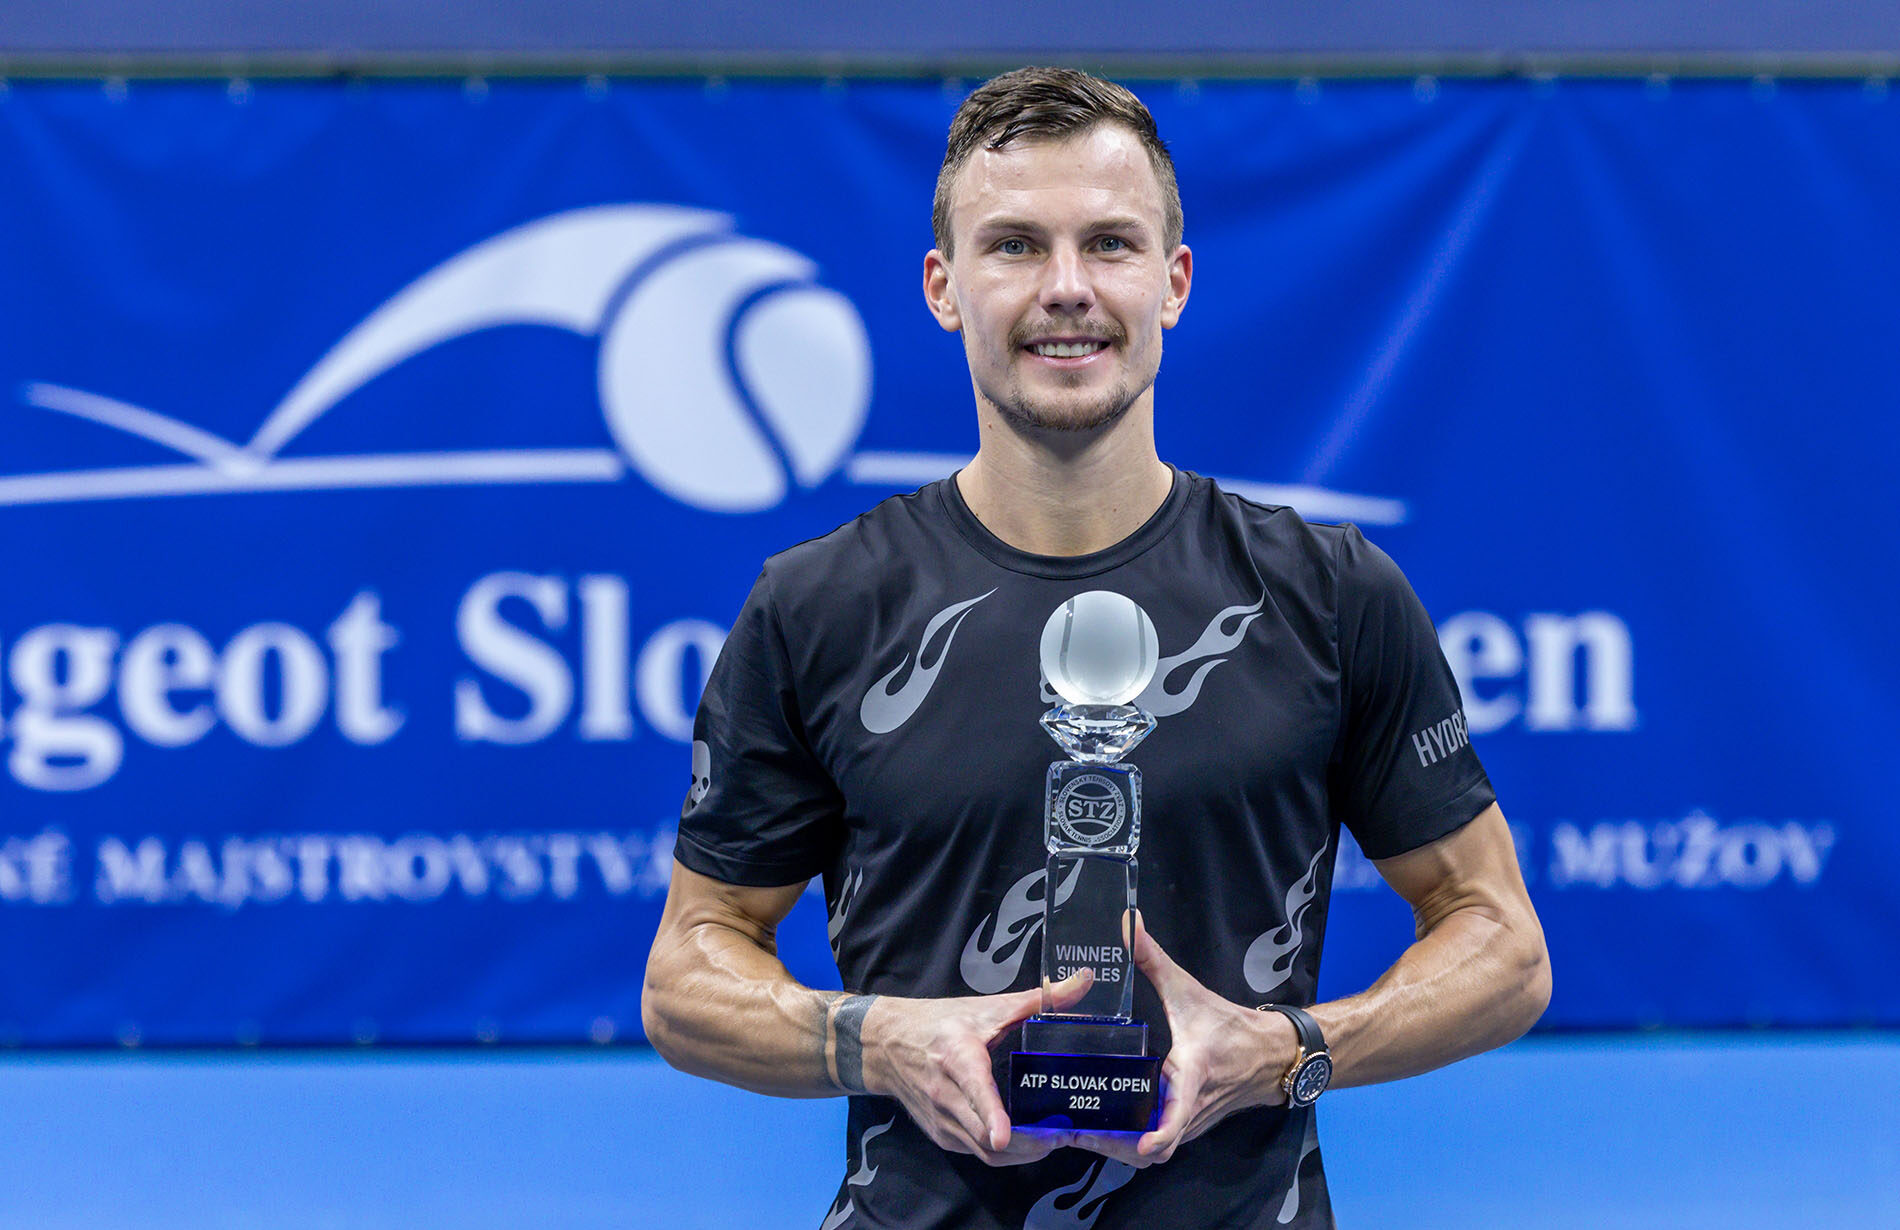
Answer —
1065 493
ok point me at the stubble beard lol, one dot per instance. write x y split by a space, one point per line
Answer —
1058 414
1024 411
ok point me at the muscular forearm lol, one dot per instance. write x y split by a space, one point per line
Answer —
1476 977
1472 982
719 1006
719 1003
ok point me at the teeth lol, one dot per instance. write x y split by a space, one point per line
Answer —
1067 350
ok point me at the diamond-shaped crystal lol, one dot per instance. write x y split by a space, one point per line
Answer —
1098 734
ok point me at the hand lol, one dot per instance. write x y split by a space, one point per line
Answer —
933 1056
1224 1058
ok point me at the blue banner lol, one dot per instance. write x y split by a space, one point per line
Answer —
381 466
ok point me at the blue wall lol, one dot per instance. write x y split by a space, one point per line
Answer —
380 465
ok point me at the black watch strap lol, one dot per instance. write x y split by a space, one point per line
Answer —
1312 1069
1304 1026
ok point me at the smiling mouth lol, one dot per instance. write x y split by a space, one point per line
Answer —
1068 350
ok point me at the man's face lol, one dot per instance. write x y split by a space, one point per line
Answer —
1061 283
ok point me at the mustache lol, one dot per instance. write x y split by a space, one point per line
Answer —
1101 331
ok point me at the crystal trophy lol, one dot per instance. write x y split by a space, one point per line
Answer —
1087 1066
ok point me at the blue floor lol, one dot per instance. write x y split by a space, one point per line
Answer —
1659 1131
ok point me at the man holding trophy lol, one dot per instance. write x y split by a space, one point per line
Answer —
1070 716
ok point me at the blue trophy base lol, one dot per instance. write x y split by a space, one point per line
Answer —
1089 1074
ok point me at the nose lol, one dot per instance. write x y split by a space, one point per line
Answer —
1066 288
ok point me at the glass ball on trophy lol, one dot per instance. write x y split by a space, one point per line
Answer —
1099 648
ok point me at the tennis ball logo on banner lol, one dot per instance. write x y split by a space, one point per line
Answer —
727 374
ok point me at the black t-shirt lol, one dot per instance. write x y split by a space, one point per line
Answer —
872 719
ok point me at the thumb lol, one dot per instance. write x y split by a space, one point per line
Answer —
1068 992
1020 1005
1152 961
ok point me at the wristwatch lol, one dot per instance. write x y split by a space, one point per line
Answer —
1312 1068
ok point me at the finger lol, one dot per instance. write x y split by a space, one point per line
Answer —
1156 964
1117 1145
1181 1094
954 1127
945 1134
1199 1127
974 1121
988 1121
1014 1008
941 1107
1030 1144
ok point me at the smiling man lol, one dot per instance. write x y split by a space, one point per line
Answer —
873 720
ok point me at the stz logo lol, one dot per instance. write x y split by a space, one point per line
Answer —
1090 810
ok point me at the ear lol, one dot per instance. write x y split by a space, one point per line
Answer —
938 293
1180 278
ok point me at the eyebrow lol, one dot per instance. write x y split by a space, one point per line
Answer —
1119 222
1010 222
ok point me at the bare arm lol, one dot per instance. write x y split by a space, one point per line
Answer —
719 1003
1476 977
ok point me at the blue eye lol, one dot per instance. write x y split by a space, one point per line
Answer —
1111 243
1012 247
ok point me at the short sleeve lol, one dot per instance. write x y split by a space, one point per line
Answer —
1405 771
761 810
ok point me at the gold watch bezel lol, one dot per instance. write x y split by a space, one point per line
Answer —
1292 1070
